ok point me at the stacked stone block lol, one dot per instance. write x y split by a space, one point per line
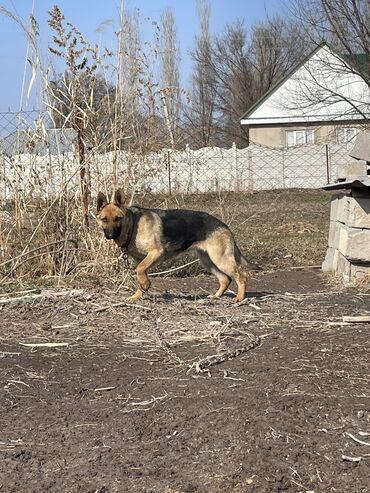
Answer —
348 253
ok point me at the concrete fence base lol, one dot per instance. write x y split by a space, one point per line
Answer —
348 253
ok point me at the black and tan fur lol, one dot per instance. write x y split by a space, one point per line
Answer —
152 235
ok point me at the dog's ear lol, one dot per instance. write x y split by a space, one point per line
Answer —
101 201
119 198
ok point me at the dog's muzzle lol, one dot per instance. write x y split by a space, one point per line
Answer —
112 234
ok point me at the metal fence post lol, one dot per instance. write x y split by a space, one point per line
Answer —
169 172
190 184
250 171
237 184
327 155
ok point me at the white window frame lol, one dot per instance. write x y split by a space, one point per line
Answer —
300 136
346 132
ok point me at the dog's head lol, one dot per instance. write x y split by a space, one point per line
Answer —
112 216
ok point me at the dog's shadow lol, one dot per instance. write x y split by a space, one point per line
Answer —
228 296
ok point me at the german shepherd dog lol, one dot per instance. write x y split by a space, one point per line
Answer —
152 235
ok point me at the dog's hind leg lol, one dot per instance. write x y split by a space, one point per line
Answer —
143 282
228 265
241 281
223 279
225 255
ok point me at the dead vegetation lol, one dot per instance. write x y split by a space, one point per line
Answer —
167 382
47 243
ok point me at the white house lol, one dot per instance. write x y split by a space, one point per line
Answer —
323 99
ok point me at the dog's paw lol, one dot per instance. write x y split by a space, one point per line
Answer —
136 296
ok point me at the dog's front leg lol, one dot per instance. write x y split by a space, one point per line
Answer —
143 282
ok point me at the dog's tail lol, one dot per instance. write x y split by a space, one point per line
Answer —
249 266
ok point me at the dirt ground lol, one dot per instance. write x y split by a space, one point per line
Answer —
121 408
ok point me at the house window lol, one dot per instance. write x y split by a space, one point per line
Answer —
346 134
299 137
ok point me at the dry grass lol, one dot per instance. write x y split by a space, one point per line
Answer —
277 229
48 244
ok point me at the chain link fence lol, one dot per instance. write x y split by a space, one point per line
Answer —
37 159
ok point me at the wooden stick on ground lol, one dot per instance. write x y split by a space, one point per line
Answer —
174 269
43 294
361 442
359 319
123 303
45 344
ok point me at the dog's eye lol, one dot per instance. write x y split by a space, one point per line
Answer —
117 218
104 219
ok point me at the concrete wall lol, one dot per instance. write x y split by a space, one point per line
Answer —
188 171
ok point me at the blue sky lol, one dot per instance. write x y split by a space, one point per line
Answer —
89 15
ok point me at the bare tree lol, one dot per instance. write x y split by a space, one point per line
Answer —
201 114
169 55
138 97
246 65
129 68
235 81
345 25
276 46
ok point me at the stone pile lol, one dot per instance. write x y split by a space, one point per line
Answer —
348 253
